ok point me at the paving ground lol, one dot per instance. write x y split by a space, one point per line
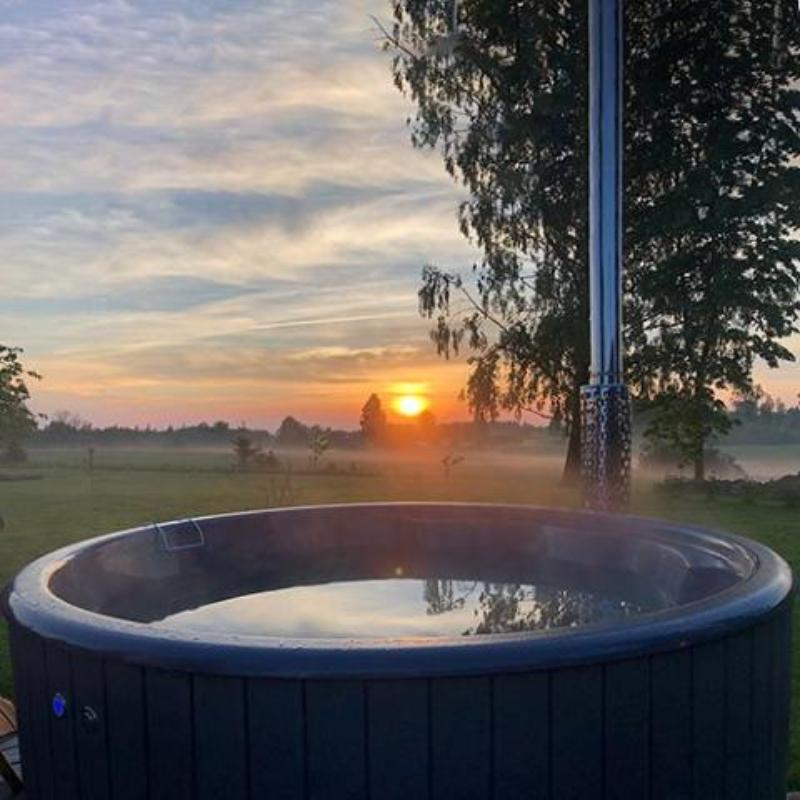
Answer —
9 749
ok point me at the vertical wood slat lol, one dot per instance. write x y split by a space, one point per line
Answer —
276 726
719 720
738 705
577 732
127 731
627 729
762 742
92 752
169 727
62 730
220 743
34 665
782 702
521 736
398 747
461 747
335 716
708 704
671 687
25 693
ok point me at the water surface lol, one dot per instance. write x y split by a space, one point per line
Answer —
402 607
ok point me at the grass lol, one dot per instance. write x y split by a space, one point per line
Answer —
131 487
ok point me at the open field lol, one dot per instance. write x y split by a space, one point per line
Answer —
65 502
761 461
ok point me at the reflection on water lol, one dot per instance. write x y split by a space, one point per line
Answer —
402 608
510 607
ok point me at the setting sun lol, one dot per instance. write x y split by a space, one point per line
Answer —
410 405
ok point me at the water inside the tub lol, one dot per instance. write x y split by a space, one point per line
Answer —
401 607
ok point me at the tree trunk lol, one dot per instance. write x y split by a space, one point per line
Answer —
572 466
571 475
700 467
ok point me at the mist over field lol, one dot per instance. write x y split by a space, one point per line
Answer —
759 462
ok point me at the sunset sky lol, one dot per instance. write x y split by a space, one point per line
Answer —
212 210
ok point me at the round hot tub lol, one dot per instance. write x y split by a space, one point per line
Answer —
404 651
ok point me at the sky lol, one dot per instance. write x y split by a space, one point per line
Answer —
210 209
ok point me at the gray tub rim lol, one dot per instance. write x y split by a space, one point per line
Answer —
29 603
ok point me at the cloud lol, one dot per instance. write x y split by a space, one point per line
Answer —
160 293
247 377
212 209
196 175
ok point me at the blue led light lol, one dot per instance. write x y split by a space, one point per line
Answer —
59 705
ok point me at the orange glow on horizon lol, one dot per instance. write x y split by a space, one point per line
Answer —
410 405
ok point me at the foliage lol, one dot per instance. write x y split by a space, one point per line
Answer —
780 491
251 456
441 596
17 421
318 444
509 608
686 419
712 115
759 419
373 421
267 462
66 428
657 454
508 114
15 453
714 134
245 449
292 433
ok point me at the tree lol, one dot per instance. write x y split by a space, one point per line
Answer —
712 122
714 129
508 112
267 462
373 420
318 444
245 449
426 426
509 608
17 421
67 427
292 433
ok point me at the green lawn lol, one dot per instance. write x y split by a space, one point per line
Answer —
130 487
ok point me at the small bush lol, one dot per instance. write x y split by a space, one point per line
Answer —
15 454
785 490
267 462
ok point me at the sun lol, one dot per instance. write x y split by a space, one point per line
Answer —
410 405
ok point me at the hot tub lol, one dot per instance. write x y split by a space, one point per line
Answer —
404 651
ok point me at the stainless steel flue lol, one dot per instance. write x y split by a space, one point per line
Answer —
605 401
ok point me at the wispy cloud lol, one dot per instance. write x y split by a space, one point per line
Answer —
212 209
197 189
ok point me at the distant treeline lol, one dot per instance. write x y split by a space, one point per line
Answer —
65 430
763 420
759 420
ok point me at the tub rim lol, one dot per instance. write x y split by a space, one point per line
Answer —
28 603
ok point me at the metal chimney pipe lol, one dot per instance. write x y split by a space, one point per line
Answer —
605 402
